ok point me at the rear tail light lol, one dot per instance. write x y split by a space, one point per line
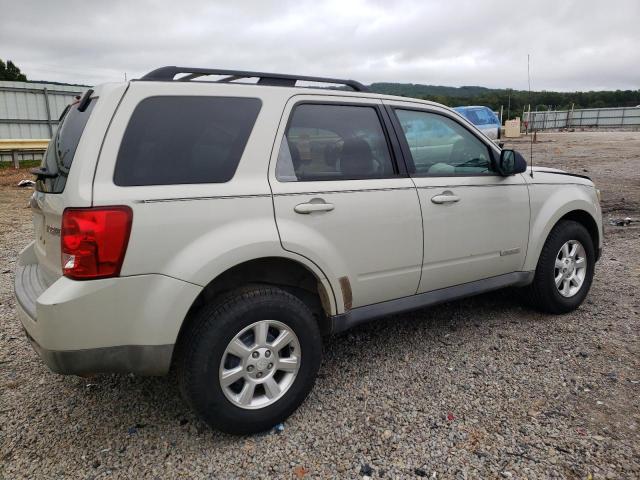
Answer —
94 241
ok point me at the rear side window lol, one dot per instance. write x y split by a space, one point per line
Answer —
185 140
62 148
334 142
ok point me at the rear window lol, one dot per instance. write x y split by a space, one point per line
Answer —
185 140
62 148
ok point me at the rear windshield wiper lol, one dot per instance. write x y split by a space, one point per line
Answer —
42 173
85 100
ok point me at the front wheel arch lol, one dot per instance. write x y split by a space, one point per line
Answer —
587 221
550 216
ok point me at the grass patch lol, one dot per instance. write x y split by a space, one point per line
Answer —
23 165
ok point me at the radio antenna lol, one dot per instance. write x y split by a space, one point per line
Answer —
529 119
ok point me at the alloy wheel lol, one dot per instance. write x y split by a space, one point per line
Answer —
570 268
260 364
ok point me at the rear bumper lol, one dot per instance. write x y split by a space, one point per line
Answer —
138 359
125 324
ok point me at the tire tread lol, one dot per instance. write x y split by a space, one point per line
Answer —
538 294
209 318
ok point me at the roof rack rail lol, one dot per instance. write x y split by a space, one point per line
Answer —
277 79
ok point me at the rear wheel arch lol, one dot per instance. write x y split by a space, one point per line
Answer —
285 273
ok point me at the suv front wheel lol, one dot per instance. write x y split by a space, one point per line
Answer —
565 269
248 361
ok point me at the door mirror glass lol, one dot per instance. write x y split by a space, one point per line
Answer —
511 162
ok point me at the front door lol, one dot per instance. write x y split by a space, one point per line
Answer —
342 200
476 222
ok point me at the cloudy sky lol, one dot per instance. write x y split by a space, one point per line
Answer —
574 45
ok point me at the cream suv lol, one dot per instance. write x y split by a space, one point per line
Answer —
222 227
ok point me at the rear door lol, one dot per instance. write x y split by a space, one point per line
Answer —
344 201
476 222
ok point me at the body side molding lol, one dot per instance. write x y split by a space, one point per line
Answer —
347 320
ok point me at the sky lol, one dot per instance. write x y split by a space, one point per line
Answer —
574 45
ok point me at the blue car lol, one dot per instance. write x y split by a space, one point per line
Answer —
483 118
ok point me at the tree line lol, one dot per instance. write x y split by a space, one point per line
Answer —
515 101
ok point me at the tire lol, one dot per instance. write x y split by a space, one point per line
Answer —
205 356
543 294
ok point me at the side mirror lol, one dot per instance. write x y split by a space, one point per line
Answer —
510 163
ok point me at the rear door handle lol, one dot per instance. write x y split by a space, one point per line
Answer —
314 205
445 197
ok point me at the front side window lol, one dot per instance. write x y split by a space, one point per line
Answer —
440 146
174 140
333 142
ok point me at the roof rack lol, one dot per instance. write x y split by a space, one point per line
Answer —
277 79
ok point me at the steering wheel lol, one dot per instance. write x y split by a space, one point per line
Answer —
459 154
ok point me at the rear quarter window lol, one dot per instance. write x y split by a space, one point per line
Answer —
185 140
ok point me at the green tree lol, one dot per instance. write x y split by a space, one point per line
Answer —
11 72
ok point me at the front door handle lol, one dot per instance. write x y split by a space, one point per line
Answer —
445 197
314 205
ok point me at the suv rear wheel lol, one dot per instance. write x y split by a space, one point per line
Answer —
565 269
249 360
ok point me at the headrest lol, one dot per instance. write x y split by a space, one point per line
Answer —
356 158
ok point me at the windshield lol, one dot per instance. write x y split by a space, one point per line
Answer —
479 116
62 148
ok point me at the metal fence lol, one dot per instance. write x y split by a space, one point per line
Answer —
587 118
31 110
29 115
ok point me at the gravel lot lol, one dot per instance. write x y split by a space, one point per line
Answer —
476 388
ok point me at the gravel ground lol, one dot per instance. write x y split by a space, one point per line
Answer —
476 388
